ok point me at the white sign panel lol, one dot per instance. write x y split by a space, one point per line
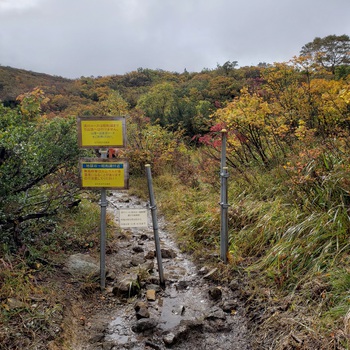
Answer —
133 218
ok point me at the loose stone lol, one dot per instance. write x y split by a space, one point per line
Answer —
111 275
169 338
151 295
137 260
215 293
230 305
150 255
96 338
144 324
137 249
182 285
127 287
82 265
141 309
168 253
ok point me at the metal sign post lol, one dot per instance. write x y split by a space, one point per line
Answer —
102 133
103 205
223 200
155 224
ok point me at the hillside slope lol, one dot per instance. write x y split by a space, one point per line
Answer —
14 81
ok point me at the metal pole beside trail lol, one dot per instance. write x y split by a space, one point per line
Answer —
153 208
223 199
103 204
223 148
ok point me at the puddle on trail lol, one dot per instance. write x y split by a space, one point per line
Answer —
119 332
181 299
178 306
185 296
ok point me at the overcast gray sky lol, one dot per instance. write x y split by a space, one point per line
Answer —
74 38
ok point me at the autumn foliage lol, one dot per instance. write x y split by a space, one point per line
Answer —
288 145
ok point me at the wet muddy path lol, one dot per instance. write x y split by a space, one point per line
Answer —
189 312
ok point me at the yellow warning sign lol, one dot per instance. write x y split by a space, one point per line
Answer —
101 132
96 173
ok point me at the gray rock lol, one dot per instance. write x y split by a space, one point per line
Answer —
144 324
137 260
150 255
169 338
141 309
230 305
183 285
215 293
168 254
179 310
111 275
182 330
148 266
127 287
108 346
142 313
216 313
235 285
140 304
81 265
96 338
137 249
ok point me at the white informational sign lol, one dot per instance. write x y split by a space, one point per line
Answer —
133 218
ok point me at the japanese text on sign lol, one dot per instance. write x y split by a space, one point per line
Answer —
133 218
110 175
96 133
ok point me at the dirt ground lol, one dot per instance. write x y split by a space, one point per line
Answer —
190 311
194 309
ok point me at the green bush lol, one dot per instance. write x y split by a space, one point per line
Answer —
38 174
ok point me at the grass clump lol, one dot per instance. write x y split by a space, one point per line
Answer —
32 302
288 235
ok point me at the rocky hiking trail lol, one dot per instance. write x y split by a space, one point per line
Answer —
135 312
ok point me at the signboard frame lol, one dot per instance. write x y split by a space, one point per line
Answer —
104 161
100 123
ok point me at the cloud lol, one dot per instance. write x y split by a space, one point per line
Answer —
10 5
94 37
